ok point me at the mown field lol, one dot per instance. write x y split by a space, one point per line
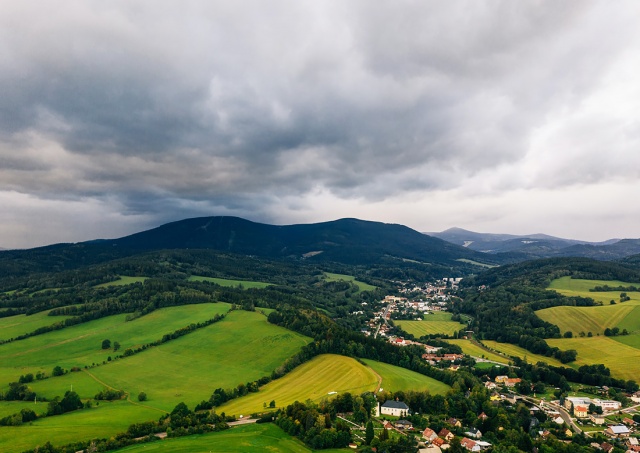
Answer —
123 280
474 350
232 283
516 351
362 286
14 326
248 438
312 380
240 348
433 324
399 379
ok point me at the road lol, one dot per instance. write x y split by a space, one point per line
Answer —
561 410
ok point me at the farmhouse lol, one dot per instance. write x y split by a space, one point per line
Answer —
395 408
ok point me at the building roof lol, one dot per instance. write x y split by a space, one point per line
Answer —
391 404
619 429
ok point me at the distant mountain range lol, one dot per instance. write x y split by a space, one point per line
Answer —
520 248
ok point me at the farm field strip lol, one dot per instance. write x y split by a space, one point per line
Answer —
14 326
431 326
230 283
123 280
517 351
362 286
396 379
312 380
474 350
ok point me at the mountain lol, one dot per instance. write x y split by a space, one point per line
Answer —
520 248
349 241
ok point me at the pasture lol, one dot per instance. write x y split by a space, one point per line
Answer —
14 326
517 351
247 438
362 286
433 324
123 280
474 350
313 380
230 283
399 379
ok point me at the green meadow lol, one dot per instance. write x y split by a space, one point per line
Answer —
433 324
400 379
516 351
313 380
329 277
253 438
474 350
123 280
232 283
14 326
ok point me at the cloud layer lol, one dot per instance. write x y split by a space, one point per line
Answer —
496 115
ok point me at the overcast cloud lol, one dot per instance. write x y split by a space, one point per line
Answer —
496 116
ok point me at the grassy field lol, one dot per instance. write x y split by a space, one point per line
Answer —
123 280
14 326
312 380
328 276
623 359
436 323
233 283
248 438
80 345
474 350
593 319
516 351
399 379
12 407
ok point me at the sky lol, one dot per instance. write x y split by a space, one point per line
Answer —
494 116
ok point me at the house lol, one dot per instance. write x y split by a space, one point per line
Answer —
559 420
395 408
429 434
628 422
404 424
495 397
441 443
483 445
446 434
544 434
501 379
606 447
617 431
581 411
632 442
454 422
512 382
597 419
387 425
490 385
483 416
474 433
568 432
469 444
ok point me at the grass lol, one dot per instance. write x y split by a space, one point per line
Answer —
399 379
433 324
362 286
232 283
12 407
14 326
248 438
312 380
80 345
474 350
476 263
621 355
123 280
516 351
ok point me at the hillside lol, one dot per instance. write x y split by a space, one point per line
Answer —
349 241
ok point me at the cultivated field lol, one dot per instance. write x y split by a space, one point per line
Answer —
123 280
248 438
433 324
232 283
474 350
312 380
399 379
328 276
14 326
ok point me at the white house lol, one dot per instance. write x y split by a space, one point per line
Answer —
395 408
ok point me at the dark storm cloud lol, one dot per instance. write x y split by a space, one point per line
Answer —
228 107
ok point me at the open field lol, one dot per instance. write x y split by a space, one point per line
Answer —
433 324
622 359
14 326
516 351
472 349
80 345
12 407
123 280
593 319
232 283
312 380
328 276
105 420
395 379
248 438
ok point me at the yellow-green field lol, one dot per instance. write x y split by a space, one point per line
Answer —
517 351
312 380
472 349
362 286
622 359
232 283
123 280
433 324
399 379
14 326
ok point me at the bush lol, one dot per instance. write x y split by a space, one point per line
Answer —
142 396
